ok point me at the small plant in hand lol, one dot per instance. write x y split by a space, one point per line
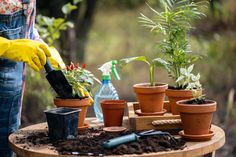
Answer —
81 80
174 23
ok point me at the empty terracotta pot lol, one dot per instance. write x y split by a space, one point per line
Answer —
196 119
150 98
75 103
113 112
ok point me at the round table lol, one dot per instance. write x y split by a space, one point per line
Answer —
192 149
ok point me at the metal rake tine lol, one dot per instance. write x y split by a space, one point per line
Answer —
172 138
154 132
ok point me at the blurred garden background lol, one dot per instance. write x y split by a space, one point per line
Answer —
109 29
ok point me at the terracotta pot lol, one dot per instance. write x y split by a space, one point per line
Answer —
175 95
196 119
75 103
150 98
113 112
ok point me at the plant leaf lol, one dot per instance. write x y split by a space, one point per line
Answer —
190 86
183 71
198 76
57 22
67 8
76 1
69 24
190 68
161 63
123 62
180 78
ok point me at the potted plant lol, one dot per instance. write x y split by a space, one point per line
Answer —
174 23
150 95
196 113
81 81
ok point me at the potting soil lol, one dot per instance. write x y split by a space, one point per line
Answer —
90 142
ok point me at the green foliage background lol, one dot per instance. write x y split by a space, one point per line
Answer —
116 34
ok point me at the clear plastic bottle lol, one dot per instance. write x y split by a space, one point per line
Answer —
106 90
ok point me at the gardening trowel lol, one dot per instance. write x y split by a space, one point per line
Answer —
58 81
134 137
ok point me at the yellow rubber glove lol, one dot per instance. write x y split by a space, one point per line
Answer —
91 101
24 50
55 59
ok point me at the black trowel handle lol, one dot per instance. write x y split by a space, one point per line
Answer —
48 67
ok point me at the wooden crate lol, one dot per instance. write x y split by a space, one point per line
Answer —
145 122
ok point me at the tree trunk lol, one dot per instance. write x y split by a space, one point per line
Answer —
82 28
74 40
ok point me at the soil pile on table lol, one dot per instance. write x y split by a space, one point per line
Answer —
33 139
90 142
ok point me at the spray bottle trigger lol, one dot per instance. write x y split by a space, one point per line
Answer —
114 71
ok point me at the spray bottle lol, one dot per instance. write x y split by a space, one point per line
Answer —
106 90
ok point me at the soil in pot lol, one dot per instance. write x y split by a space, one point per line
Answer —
75 103
90 142
113 112
196 118
150 98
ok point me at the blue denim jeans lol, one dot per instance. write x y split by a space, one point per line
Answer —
11 75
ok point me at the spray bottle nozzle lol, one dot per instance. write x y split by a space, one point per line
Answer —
108 67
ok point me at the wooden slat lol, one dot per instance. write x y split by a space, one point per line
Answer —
145 122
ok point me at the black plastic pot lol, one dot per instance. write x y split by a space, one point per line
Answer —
62 123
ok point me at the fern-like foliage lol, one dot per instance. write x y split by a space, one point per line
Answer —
174 23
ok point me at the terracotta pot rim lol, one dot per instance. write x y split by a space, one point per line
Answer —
113 104
182 93
144 88
178 90
72 102
113 101
147 85
56 98
195 108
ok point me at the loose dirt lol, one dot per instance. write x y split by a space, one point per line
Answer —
89 142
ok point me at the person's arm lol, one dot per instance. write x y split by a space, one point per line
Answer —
36 36
32 52
55 58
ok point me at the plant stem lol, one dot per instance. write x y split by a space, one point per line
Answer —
151 73
177 73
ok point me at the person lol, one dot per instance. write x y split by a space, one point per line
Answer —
20 44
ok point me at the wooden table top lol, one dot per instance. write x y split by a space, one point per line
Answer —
192 148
